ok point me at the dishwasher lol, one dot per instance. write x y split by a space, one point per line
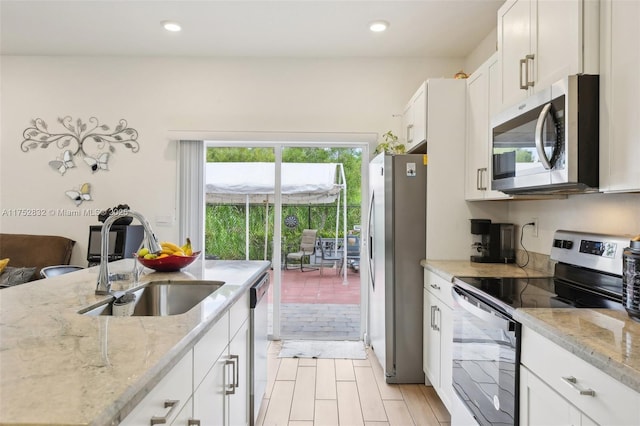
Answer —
259 344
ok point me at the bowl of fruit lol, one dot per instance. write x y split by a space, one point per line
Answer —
172 258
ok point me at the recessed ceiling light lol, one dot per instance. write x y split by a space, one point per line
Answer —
378 26
171 26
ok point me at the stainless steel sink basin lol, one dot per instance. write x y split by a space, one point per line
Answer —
161 298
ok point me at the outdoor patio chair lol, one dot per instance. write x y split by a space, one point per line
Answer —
307 248
353 252
331 253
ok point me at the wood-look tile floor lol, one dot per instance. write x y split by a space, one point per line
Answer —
343 392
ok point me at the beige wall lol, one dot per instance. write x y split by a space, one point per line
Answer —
161 97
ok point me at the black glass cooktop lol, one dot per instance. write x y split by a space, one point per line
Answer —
541 293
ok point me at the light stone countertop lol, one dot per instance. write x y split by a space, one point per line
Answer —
605 338
448 269
58 367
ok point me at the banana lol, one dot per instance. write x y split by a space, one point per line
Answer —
186 248
170 246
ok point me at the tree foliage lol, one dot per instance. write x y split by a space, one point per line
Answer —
225 224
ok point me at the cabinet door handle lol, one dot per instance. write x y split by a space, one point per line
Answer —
409 133
573 382
236 369
479 180
524 86
436 327
193 422
231 389
171 404
434 286
432 316
528 58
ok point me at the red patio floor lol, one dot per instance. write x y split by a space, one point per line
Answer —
311 287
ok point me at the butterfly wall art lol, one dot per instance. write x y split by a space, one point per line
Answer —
75 139
99 163
80 195
61 166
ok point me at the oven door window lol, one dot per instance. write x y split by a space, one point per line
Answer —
485 360
530 143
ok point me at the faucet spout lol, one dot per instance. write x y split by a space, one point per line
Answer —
151 242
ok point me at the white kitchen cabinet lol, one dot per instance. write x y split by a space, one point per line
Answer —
541 405
557 387
482 102
167 398
210 384
438 336
620 96
540 42
414 119
238 401
222 397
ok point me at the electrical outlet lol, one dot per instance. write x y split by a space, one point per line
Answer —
534 227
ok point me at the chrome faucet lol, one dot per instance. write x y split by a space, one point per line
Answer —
151 242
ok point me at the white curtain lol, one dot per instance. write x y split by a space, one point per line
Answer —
191 204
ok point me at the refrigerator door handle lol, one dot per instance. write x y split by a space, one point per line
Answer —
370 245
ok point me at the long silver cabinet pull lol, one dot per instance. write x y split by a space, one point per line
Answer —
193 422
434 286
236 369
523 62
171 404
482 187
433 310
573 382
436 327
529 58
231 387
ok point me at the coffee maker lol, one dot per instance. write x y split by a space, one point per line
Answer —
493 242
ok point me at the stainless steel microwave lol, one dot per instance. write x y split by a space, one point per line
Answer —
549 142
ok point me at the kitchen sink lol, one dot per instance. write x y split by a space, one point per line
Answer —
159 298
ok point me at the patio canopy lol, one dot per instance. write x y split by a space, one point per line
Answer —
302 183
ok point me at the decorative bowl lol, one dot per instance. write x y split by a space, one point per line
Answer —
170 263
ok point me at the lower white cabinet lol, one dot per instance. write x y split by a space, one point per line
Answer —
541 405
438 336
167 398
557 387
210 384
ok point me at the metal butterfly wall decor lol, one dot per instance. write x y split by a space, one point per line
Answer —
63 165
80 195
74 140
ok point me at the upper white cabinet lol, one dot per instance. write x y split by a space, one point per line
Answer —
482 102
620 96
541 42
414 119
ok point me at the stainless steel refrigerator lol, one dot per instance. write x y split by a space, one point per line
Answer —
397 243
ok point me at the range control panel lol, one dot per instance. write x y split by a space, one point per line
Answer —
594 251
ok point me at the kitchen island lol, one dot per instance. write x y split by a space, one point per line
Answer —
60 367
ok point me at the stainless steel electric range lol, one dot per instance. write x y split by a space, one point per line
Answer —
486 339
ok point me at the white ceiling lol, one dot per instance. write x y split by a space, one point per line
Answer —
265 28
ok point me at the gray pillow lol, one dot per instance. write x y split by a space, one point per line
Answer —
14 276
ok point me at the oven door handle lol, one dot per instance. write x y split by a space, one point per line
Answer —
494 318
